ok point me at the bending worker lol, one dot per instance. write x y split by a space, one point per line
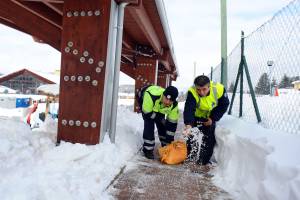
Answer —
159 106
205 104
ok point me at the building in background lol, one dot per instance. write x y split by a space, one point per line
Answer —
296 84
26 82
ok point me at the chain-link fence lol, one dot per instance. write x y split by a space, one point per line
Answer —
272 53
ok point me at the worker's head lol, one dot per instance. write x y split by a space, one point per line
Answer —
202 84
169 96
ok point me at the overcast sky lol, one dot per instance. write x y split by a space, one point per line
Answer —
195 30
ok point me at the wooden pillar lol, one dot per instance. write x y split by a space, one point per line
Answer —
162 79
146 74
84 50
169 80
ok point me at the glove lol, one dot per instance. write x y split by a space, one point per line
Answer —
187 130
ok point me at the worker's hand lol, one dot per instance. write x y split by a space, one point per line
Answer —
208 122
187 130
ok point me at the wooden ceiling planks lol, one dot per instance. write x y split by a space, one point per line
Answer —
31 23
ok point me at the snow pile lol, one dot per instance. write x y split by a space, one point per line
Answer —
33 167
257 163
4 89
18 113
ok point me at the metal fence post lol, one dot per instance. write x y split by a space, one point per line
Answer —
251 90
224 42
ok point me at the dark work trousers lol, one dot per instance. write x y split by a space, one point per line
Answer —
148 134
207 146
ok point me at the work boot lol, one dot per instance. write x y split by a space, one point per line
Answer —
148 154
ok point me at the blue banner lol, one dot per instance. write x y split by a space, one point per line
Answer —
22 102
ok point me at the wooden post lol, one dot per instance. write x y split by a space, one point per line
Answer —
162 79
146 74
84 50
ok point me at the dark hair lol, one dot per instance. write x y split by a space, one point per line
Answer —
201 80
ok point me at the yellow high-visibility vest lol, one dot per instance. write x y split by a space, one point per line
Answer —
204 105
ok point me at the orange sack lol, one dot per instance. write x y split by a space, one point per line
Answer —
174 153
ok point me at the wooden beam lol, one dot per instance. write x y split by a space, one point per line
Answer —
145 74
83 59
128 69
11 24
127 41
50 1
56 7
162 79
134 2
165 60
31 23
127 58
143 21
41 11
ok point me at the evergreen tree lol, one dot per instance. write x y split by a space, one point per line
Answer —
295 78
263 85
285 82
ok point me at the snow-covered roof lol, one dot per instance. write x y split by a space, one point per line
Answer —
295 82
50 89
45 76
9 90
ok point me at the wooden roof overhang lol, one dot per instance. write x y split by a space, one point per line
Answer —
144 30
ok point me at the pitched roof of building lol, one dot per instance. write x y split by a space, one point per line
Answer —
40 76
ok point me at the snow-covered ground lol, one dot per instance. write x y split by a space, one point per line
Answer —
253 162
277 112
33 167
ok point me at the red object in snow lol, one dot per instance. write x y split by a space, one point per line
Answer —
276 92
32 110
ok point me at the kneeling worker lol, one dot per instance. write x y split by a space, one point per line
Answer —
159 106
205 104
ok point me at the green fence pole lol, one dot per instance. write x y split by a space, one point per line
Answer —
241 90
242 75
234 89
251 90
224 42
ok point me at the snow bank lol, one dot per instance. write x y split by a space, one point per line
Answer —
4 89
33 167
256 163
16 112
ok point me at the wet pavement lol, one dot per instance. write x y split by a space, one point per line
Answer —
149 179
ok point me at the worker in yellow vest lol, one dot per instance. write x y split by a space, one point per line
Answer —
159 106
205 104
